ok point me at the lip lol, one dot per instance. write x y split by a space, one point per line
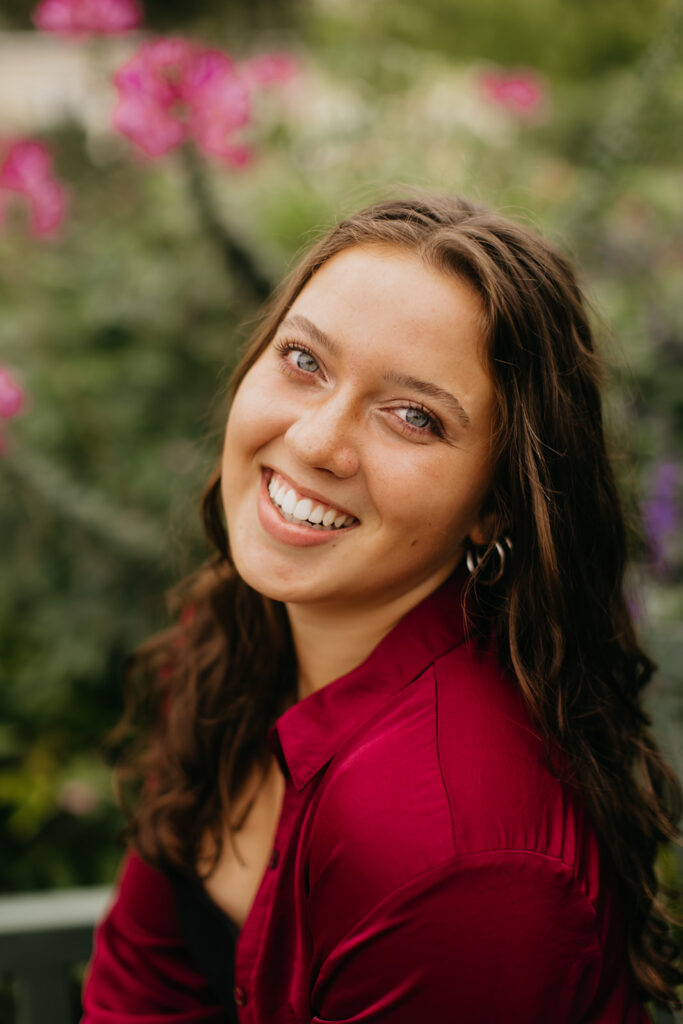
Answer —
306 493
290 533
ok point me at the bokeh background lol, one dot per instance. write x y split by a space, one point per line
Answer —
127 281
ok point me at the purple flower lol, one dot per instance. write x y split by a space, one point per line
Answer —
661 511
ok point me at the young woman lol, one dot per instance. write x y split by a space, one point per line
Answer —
397 768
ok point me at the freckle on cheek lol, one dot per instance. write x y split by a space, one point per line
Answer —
413 543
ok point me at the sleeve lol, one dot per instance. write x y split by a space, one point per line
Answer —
502 936
140 970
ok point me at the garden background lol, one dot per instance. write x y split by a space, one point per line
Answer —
133 256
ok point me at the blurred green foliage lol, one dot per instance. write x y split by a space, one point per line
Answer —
124 330
575 40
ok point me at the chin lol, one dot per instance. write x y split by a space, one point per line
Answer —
267 580
289 587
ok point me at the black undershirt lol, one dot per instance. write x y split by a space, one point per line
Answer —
211 936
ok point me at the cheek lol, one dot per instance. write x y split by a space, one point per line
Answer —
415 500
403 494
254 419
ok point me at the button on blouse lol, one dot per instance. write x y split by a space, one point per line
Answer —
240 995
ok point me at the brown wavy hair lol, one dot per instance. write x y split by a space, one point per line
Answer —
203 694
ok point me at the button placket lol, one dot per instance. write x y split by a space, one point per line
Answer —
252 934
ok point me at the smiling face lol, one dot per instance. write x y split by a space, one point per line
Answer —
372 400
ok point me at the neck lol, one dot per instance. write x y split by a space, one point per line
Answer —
331 642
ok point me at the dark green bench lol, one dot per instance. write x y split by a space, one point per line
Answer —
43 936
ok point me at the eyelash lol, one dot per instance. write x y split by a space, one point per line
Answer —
283 347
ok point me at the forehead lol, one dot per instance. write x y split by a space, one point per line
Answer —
388 296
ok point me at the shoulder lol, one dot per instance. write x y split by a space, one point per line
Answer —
501 791
452 763
451 768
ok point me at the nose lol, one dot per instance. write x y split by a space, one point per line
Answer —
324 436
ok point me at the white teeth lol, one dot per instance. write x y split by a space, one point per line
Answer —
303 508
317 514
289 503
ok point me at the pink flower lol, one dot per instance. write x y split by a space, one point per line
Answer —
523 92
78 797
218 100
152 109
78 18
11 402
172 90
27 170
11 396
26 163
269 67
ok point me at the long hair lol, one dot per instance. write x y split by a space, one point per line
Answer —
204 693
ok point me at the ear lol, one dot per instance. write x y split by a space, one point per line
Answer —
482 530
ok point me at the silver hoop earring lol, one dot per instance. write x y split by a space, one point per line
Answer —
478 556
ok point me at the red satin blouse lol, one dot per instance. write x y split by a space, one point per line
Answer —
426 868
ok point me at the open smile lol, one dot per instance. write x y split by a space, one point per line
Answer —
299 507
296 518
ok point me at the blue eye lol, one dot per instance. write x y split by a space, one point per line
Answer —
415 420
417 417
304 360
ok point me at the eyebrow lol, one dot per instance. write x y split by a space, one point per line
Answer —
404 380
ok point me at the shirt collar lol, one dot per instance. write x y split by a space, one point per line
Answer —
308 734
